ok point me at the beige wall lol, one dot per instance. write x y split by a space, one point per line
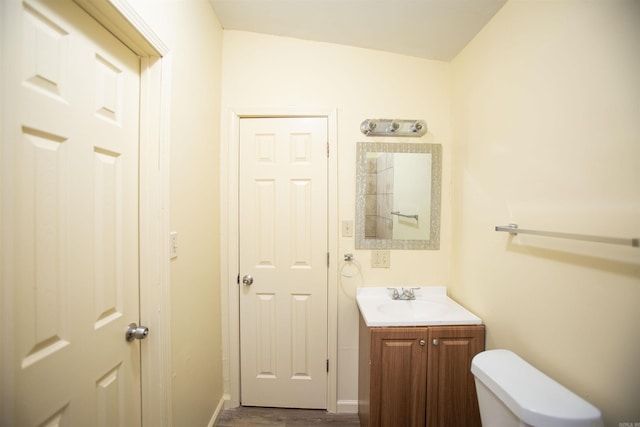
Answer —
545 104
262 72
546 134
194 37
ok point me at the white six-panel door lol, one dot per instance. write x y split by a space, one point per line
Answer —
73 271
283 247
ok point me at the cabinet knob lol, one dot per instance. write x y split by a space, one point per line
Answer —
422 342
435 342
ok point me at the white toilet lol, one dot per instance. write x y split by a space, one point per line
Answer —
512 393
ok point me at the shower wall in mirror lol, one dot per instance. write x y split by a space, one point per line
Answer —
398 195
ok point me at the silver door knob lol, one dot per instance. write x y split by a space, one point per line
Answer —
247 280
435 342
135 332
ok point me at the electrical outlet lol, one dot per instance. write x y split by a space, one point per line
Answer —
380 259
347 228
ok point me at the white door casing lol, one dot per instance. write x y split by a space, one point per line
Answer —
70 255
284 247
230 246
122 20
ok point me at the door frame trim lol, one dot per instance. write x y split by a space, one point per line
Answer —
229 248
121 19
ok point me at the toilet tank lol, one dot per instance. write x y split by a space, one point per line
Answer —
511 392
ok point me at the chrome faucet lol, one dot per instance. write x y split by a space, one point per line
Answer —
403 294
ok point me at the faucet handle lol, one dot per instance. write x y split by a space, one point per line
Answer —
410 292
395 294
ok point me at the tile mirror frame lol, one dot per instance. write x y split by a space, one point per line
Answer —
362 171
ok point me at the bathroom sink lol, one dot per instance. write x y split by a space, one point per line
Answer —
431 306
417 309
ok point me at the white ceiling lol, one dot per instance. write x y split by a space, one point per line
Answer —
432 29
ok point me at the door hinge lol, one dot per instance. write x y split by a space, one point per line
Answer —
327 365
328 260
327 148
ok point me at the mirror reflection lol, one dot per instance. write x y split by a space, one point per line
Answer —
398 196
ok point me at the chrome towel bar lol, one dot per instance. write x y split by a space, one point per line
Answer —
513 229
405 216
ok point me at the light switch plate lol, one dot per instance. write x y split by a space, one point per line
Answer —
380 259
173 244
347 228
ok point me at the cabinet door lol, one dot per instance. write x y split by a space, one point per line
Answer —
398 377
451 392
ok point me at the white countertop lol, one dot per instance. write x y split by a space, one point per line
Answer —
430 307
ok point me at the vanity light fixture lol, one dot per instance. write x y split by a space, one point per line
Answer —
393 127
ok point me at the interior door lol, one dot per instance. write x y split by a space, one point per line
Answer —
72 276
283 262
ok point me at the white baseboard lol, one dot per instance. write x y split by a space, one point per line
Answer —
228 403
216 414
347 407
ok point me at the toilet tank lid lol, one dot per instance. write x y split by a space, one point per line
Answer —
532 396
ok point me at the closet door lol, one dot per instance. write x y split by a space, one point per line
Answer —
283 262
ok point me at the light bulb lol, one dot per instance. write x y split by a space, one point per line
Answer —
368 126
393 126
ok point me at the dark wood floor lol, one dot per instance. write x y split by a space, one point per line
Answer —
246 416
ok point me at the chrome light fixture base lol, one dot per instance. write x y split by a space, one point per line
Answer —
393 127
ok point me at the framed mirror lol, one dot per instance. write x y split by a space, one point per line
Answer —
398 187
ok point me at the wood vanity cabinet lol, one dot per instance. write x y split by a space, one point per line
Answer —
418 376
